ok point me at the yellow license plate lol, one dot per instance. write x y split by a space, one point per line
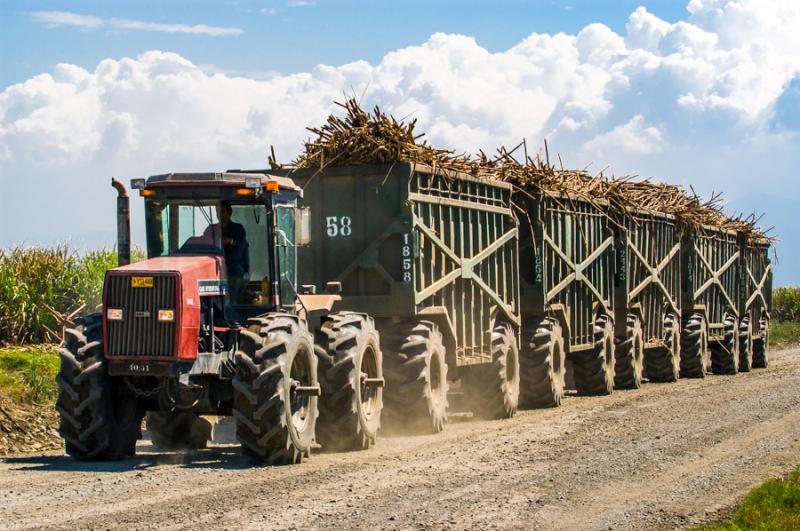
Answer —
141 282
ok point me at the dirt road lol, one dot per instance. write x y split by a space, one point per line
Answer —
664 456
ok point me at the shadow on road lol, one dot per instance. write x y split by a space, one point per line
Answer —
222 457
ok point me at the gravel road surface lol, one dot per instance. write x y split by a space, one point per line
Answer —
667 455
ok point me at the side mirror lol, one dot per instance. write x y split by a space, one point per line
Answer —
302 226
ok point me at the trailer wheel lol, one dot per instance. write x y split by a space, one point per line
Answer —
173 430
760 346
542 364
629 353
725 351
416 378
662 364
694 347
275 389
594 368
494 389
745 345
350 373
99 422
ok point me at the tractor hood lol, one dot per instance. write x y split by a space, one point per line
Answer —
141 290
197 267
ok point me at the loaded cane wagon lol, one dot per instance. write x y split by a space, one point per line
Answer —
567 304
431 255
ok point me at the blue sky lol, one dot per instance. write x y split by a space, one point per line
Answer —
702 93
287 37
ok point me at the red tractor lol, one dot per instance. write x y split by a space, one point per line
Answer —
213 323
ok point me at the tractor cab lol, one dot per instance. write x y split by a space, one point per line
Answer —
248 224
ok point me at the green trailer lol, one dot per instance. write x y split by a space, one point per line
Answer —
755 301
567 295
647 285
711 260
432 257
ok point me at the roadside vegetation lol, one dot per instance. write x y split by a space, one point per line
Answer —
33 278
27 374
773 505
786 317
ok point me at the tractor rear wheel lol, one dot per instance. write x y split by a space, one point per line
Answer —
99 421
662 364
760 347
629 353
275 389
745 345
542 364
493 389
694 347
725 351
351 376
594 368
416 378
173 430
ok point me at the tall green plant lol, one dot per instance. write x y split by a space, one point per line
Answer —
58 276
786 304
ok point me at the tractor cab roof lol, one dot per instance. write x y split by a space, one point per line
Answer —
240 180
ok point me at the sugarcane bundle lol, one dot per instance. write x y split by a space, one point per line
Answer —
361 137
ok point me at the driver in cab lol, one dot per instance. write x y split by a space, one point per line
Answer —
236 248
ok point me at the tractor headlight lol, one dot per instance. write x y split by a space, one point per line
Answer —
115 314
166 315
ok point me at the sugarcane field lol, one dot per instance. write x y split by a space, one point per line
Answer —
425 302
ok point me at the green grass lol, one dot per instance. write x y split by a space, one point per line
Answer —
784 334
27 374
775 505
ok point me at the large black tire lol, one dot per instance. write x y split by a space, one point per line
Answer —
725 351
629 353
174 430
694 347
542 364
99 421
662 364
350 406
761 347
416 378
745 345
594 368
274 422
493 389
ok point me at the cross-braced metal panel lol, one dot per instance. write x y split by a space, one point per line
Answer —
652 270
715 275
567 263
756 283
466 257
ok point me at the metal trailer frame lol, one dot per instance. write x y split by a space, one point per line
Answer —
648 272
755 280
567 263
711 259
409 241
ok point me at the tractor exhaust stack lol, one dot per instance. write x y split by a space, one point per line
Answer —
123 223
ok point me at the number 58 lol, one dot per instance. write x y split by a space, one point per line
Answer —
338 226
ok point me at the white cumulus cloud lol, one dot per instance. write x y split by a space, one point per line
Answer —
710 100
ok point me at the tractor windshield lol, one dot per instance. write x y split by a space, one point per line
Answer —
239 232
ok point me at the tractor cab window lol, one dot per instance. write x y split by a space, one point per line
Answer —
286 253
238 232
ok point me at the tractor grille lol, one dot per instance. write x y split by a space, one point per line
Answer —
140 333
